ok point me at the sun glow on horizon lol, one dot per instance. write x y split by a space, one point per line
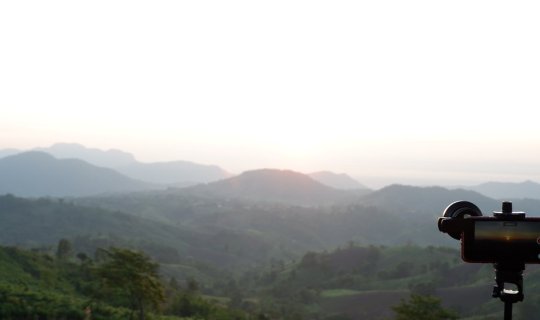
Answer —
358 87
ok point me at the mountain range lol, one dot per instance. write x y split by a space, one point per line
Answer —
74 170
112 158
206 225
173 173
36 174
268 202
136 175
224 227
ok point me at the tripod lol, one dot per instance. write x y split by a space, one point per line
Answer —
511 273
460 221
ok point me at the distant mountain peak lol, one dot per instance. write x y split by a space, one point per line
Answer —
29 156
272 185
284 176
172 173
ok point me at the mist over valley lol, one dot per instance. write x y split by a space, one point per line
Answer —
304 243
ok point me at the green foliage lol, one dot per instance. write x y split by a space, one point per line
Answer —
338 293
18 302
133 276
34 285
347 281
377 267
243 255
423 308
190 305
43 222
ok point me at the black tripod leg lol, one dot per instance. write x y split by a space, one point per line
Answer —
508 310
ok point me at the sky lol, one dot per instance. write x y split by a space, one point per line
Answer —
418 92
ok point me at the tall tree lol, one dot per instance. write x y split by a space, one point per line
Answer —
134 275
64 249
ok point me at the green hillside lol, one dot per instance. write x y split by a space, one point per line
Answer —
353 260
35 285
42 222
359 282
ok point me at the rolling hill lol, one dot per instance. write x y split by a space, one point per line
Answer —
43 222
393 215
410 201
272 185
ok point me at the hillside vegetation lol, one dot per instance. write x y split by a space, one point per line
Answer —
36 285
269 243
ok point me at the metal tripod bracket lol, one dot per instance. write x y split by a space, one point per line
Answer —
509 273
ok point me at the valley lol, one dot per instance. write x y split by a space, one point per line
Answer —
265 243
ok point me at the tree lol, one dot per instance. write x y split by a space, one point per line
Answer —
189 304
133 275
64 249
423 308
192 285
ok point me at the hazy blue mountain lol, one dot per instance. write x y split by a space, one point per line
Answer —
419 208
179 173
425 201
109 159
430 202
509 190
8 152
40 174
337 181
174 173
272 185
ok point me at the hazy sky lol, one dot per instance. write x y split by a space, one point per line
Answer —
426 92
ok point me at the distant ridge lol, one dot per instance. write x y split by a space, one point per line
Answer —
272 185
427 201
8 152
173 173
176 173
102 158
336 180
37 174
509 190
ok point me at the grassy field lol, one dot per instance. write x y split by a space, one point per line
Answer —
364 305
338 293
377 304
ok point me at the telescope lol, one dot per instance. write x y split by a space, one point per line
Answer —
507 239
